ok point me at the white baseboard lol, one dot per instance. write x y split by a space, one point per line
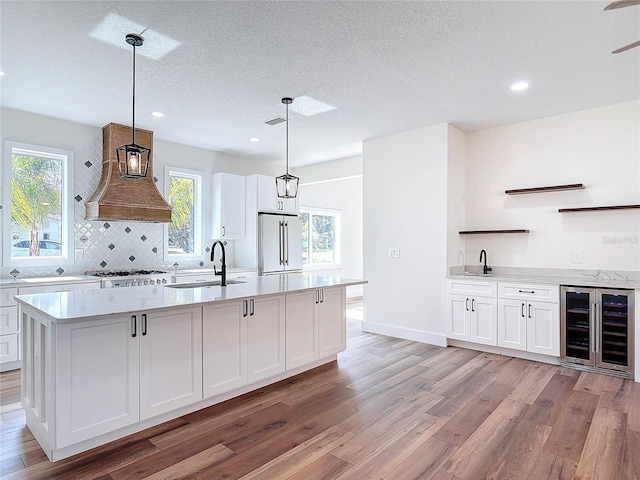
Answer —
405 333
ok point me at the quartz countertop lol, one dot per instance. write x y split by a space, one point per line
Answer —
63 307
23 282
577 278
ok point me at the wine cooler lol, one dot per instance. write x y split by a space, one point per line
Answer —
597 330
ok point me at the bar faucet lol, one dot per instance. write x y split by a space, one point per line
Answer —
223 271
485 269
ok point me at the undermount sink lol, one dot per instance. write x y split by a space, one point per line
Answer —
213 283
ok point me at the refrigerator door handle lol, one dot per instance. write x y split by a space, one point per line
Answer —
281 241
596 326
286 243
592 326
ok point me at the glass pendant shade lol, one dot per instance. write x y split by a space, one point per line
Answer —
133 159
287 186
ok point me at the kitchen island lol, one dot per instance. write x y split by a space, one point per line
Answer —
102 364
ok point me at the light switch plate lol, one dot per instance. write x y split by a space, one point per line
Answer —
577 256
394 253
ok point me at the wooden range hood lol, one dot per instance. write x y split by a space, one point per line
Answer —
119 198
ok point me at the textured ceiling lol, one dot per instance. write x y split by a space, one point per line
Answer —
387 67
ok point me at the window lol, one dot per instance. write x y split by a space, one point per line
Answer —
184 233
320 237
38 187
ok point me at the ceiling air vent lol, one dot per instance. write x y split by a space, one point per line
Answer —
275 121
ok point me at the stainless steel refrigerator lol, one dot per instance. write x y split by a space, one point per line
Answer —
279 244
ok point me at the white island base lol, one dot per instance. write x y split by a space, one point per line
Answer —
88 381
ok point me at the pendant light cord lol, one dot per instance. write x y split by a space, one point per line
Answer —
133 120
287 139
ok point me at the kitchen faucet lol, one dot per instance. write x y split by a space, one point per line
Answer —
223 271
485 269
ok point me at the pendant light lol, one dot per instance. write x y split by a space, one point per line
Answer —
133 159
287 185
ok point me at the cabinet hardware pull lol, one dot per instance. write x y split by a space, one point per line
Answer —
245 308
529 310
134 329
466 304
526 291
144 324
252 307
321 296
522 311
473 304
223 231
317 296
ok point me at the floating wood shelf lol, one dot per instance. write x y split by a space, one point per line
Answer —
552 188
479 232
594 209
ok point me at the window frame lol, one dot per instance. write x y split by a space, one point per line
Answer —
198 215
337 241
67 206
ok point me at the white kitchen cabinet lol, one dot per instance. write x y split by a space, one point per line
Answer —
224 347
170 347
265 337
113 372
229 206
526 323
302 328
315 325
10 353
267 197
96 379
331 321
472 315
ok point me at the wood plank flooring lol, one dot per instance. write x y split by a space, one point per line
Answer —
387 409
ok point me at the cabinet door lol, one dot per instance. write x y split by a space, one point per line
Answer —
301 328
543 328
224 347
483 320
458 317
170 360
512 324
9 348
228 206
96 376
332 321
268 200
265 337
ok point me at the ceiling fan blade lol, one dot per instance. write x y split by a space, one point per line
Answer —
627 47
622 4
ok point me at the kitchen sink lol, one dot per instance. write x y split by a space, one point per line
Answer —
213 283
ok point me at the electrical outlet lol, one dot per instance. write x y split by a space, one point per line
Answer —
394 253
577 256
79 254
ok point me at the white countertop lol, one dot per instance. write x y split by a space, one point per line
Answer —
21 282
577 278
63 307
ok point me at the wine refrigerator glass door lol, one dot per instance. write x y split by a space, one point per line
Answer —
615 329
578 322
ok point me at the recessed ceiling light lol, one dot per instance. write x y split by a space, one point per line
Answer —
519 86
254 139
157 114
114 28
309 106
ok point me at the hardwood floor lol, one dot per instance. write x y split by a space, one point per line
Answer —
387 409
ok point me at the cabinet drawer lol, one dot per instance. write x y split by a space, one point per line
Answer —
8 348
472 287
529 291
8 320
6 296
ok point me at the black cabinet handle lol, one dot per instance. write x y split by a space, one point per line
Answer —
252 307
223 232
529 310
317 296
526 291
245 308
473 304
134 326
144 324
466 304
522 311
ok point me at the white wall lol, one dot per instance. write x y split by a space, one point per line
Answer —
405 206
599 147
